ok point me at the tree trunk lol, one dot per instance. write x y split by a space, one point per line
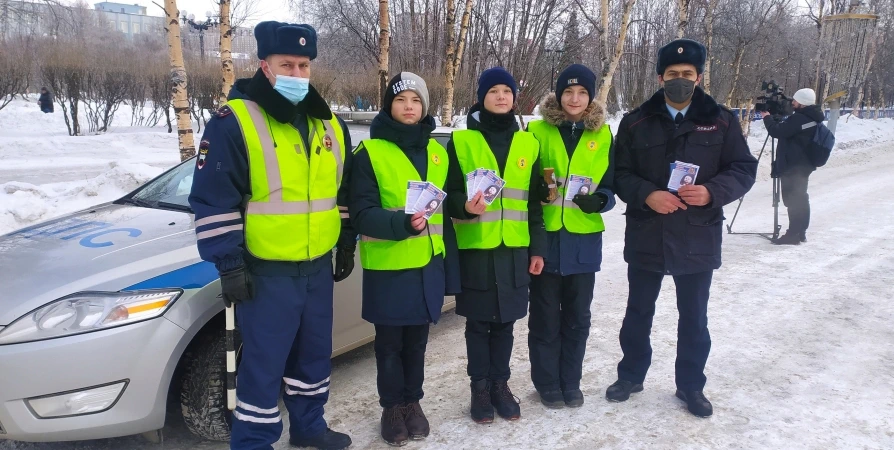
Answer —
609 72
709 40
737 69
178 81
455 47
226 51
606 47
384 43
684 18
819 48
873 47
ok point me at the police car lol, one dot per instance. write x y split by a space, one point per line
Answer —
108 314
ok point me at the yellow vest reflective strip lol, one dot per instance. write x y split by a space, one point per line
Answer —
294 190
505 221
590 159
393 171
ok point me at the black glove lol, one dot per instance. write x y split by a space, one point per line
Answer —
591 203
543 190
236 286
344 263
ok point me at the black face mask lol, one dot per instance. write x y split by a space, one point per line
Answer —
679 90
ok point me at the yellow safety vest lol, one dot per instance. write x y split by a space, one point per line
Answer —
506 219
590 159
292 213
393 170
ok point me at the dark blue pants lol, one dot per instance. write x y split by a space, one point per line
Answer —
287 337
559 325
489 348
693 339
400 363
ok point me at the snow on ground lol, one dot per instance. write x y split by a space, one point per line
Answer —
801 355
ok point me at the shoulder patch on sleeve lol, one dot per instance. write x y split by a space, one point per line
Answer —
204 146
223 111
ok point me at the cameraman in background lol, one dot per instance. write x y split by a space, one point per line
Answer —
792 164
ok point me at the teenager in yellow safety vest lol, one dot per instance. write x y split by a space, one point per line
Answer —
270 207
576 144
402 252
500 234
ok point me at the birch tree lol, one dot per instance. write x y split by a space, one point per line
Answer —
683 21
455 46
709 43
226 51
609 70
384 44
178 82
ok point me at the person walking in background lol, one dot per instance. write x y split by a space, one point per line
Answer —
792 164
675 234
403 255
574 140
45 102
500 245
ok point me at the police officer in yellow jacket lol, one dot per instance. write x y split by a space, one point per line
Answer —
270 205
576 143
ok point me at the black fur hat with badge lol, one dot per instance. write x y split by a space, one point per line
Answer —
279 38
682 51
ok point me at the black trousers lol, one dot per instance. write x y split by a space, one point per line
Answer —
400 362
693 339
489 347
796 199
559 325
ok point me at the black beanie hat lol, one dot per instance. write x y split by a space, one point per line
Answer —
682 51
492 77
406 81
576 75
278 38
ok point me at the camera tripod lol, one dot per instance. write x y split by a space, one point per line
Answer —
776 196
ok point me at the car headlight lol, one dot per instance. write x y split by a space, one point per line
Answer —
88 311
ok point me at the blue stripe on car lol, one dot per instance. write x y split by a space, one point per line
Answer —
190 277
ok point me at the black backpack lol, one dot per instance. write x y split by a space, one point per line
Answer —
819 148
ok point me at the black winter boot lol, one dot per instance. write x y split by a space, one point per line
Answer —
552 399
620 391
327 440
417 423
696 403
574 398
394 426
504 402
482 410
788 239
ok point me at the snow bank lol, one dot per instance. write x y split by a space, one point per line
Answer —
22 204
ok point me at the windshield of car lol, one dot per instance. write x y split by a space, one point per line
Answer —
169 191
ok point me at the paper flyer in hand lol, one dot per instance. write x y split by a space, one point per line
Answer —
470 184
578 185
430 200
682 174
490 186
414 190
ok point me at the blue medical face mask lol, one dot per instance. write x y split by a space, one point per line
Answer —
294 89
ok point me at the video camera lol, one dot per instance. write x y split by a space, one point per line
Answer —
773 100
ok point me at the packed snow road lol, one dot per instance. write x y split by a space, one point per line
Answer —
801 353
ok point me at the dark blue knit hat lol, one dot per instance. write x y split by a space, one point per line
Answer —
492 77
576 75
278 38
682 51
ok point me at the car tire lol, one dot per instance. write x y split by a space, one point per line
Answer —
203 394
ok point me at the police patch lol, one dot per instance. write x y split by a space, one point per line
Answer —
522 163
327 142
591 145
223 111
204 146
706 128
436 159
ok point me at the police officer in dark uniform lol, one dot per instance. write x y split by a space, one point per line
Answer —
675 234
270 204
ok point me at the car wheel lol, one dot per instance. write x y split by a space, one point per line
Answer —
203 395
